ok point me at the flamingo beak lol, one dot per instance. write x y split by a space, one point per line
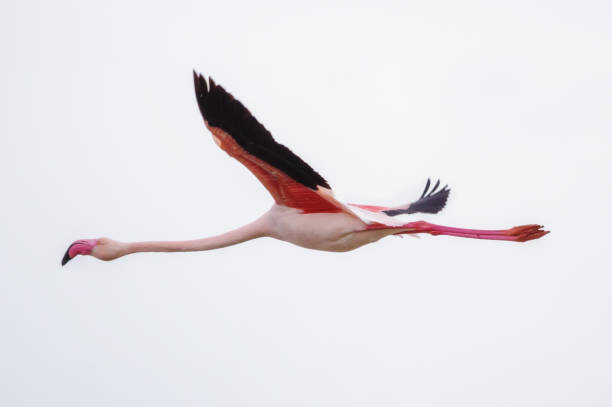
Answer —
84 247
66 257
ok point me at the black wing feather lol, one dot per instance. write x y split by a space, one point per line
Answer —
220 109
434 188
428 203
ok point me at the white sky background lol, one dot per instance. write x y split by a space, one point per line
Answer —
101 136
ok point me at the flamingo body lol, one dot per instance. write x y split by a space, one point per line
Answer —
333 232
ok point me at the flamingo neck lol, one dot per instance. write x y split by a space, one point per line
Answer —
251 231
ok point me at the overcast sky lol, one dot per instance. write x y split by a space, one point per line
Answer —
100 135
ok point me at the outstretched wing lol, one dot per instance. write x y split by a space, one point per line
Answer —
432 202
429 202
290 181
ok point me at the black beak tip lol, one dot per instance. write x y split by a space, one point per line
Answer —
66 257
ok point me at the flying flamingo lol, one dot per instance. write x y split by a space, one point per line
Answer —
305 211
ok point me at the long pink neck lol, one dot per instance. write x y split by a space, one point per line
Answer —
247 232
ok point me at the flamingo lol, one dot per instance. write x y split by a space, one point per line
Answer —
305 211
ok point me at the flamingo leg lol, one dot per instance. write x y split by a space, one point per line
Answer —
517 234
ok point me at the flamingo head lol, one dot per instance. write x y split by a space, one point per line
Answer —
103 249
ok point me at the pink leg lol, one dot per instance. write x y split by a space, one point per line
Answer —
516 234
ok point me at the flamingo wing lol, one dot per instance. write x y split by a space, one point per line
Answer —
290 180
